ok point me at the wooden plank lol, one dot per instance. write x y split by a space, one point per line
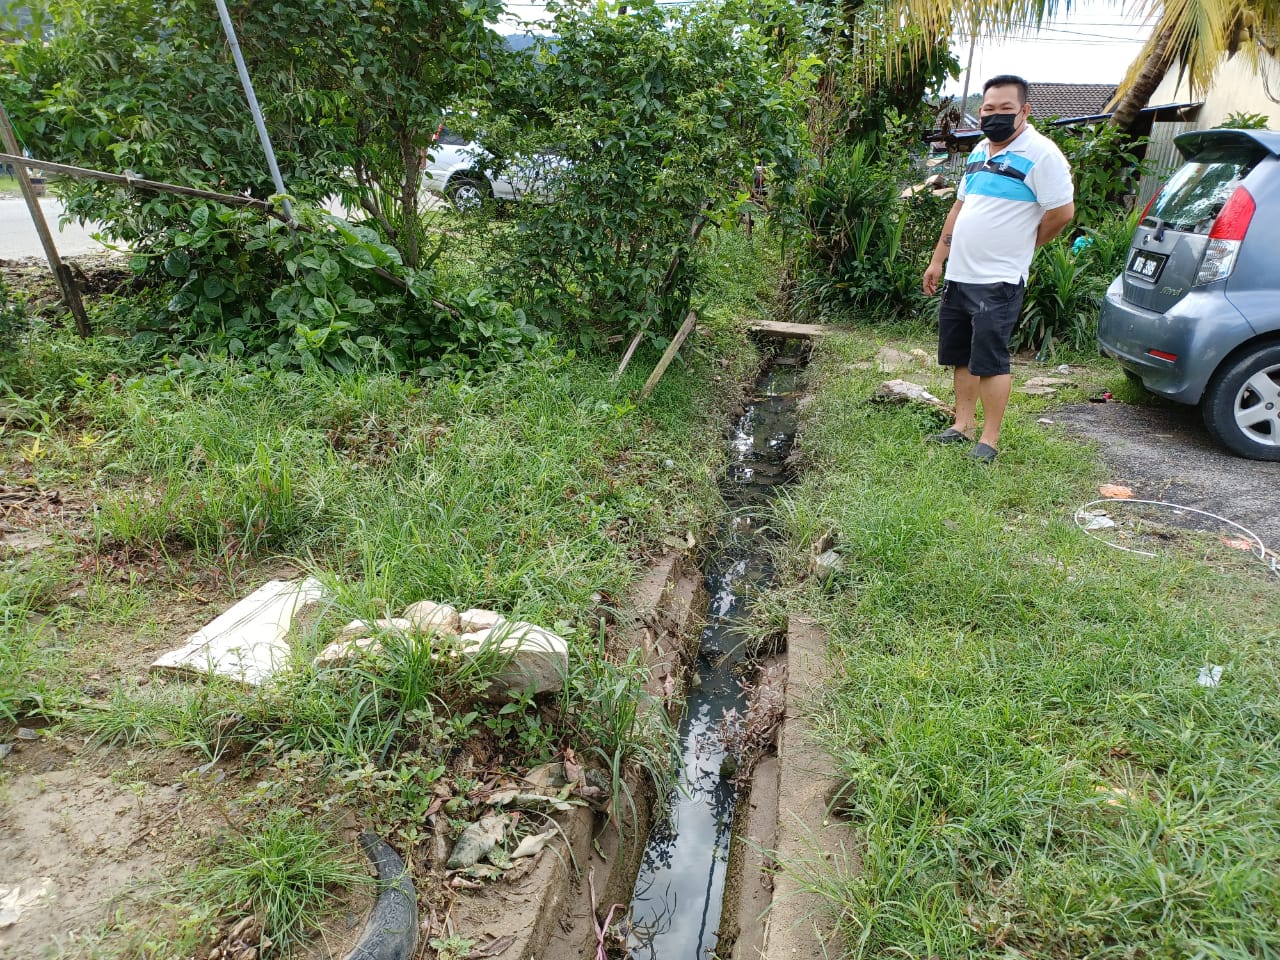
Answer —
790 331
669 354
61 272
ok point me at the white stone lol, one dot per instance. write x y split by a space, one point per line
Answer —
342 650
247 642
538 659
477 619
438 618
359 628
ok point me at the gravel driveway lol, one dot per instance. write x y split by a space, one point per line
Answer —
1162 451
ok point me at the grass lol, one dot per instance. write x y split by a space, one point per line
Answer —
539 489
1029 762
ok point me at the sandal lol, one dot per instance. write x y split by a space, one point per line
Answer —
949 435
983 453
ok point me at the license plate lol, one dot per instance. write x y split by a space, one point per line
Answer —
1146 265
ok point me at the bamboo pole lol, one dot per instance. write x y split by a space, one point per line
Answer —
61 272
141 183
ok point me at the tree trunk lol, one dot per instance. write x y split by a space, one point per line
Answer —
1144 85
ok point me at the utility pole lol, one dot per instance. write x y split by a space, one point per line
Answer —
229 29
61 272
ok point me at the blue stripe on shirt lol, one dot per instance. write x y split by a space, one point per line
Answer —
984 183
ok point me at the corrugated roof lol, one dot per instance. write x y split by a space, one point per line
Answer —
1070 99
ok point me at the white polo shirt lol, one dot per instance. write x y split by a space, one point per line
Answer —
1005 197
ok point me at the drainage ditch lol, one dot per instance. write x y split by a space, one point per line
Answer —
679 894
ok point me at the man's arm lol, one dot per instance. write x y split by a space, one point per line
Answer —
1052 223
933 273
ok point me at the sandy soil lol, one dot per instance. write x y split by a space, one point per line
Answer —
95 826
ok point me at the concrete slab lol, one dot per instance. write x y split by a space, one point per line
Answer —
797 927
246 643
790 331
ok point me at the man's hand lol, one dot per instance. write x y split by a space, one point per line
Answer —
932 276
1053 222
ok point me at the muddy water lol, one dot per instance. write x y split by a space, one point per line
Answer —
675 910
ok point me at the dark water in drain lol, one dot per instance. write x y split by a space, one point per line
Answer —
675 910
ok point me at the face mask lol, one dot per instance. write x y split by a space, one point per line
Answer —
998 127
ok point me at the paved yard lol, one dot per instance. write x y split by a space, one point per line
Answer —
1163 452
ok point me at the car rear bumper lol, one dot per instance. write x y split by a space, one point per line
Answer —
1199 331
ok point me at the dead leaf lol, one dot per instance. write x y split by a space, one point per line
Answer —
573 772
493 948
1114 491
533 844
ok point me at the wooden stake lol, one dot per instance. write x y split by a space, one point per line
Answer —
669 354
626 357
61 272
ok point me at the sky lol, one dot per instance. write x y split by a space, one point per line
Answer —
1094 43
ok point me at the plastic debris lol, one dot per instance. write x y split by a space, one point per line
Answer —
477 841
1100 522
14 901
1115 491
1210 676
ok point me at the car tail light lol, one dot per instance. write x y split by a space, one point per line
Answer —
1226 236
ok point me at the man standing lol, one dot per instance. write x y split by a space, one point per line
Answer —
1016 195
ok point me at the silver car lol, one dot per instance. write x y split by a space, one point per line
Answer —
468 175
1196 313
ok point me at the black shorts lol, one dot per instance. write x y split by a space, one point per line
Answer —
975 322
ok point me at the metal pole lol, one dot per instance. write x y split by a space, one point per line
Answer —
61 272
229 29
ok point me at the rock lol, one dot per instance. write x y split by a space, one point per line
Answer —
5 750
340 651
476 842
826 565
535 658
890 359
26 733
1043 386
438 618
904 391
358 628
478 619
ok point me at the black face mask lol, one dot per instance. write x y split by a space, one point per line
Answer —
998 127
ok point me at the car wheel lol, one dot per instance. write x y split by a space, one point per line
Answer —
468 194
1242 405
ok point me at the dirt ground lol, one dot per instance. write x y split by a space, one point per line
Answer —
1163 452
84 829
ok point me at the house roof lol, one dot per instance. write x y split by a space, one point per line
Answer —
1067 100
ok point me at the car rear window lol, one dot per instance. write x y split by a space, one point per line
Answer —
1195 195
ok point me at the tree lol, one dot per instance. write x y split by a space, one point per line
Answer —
1195 36
352 90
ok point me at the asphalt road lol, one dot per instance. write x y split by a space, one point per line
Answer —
18 237
1163 452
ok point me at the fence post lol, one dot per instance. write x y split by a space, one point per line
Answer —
61 272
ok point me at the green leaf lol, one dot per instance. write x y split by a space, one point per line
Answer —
177 264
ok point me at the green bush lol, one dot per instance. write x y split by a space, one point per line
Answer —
869 247
659 120
13 317
1068 279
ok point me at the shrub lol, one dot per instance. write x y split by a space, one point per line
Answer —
660 119
869 247
1068 279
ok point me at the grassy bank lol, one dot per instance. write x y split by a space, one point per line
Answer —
1030 764
166 490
